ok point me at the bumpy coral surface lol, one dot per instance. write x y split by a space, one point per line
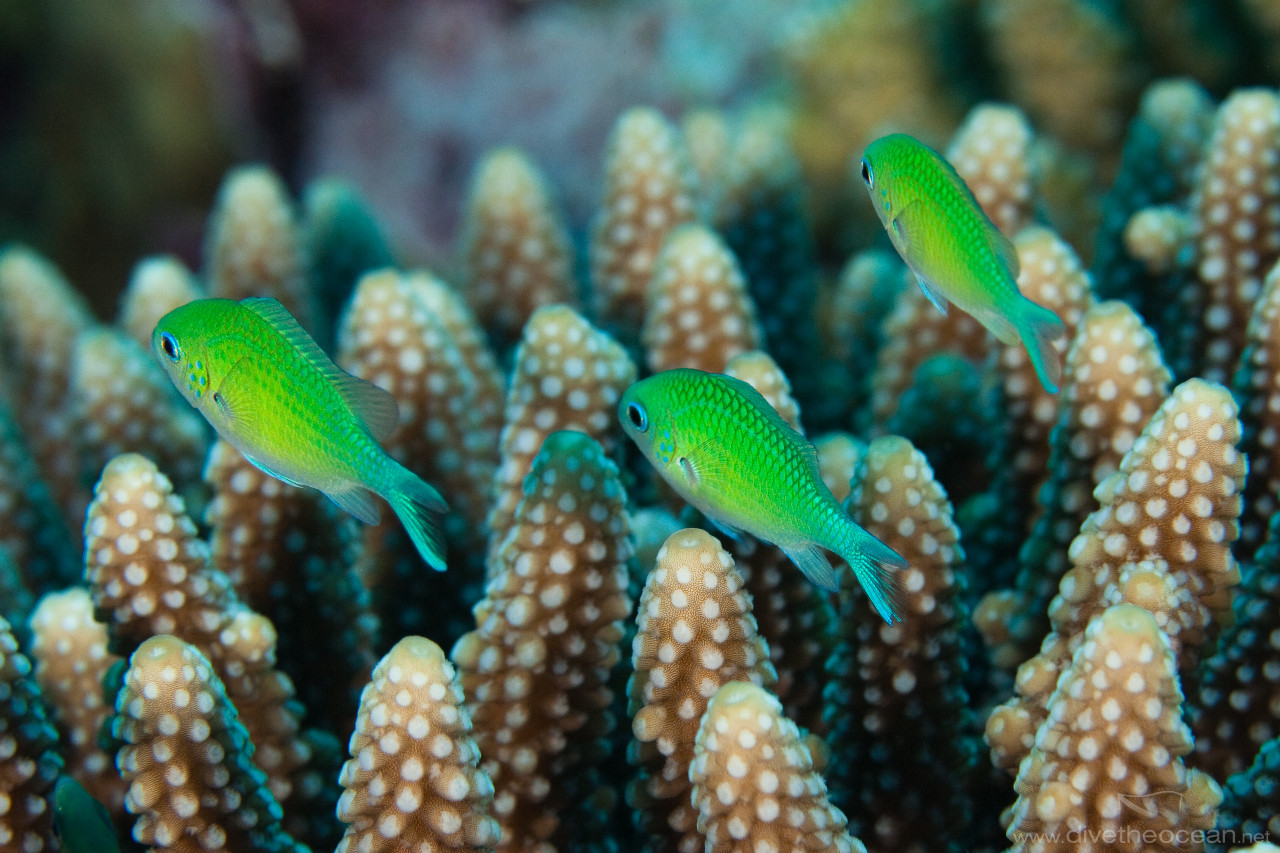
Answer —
514 243
191 781
1106 770
28 744
412 782
753 780
696 632
535 669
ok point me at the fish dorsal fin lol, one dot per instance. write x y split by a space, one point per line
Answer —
788 432
1005 251
374 407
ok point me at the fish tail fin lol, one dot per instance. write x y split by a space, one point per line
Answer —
874 564
1039 328
419 507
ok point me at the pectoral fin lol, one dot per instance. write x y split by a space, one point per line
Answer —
908 235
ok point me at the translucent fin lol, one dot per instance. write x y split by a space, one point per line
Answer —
874 564
939 301
358 502
1003 248
727 529
418 506
375 407
270 471
814 564
1039 328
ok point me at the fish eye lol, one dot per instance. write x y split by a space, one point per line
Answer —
638 417
867 176
169 346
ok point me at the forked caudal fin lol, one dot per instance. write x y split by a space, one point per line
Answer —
419 506
1039 328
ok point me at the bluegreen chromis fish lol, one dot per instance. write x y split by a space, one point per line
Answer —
82 823
955 251
729 454
269 390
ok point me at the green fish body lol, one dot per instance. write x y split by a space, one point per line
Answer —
269 390
82 823
719 444
955 251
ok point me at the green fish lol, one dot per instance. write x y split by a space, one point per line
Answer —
955 251
269 390
81 822
720 444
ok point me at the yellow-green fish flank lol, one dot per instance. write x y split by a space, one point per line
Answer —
730 455
269 390
955 251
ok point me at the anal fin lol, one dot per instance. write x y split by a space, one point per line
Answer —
814 564
358 502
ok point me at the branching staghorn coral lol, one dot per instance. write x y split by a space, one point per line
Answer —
1257 388
851 318
1236 207
838 456
1106 770
861 70
991 152
1157 165
1160 539
33 533
191 781
649 189
1050 275
157 286
392 338
254 245
515 245
342 241
896 704
698 312
567 376
1114 380
1249 808
696 633
914 331
535 669
761 212
754 781
40 319
28 743
707 134
282 549
149 575
71 660
1068 63
126 404
394 335
1234 703
412 782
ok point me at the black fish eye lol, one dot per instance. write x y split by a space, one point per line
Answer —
636 414
867 177
169 346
